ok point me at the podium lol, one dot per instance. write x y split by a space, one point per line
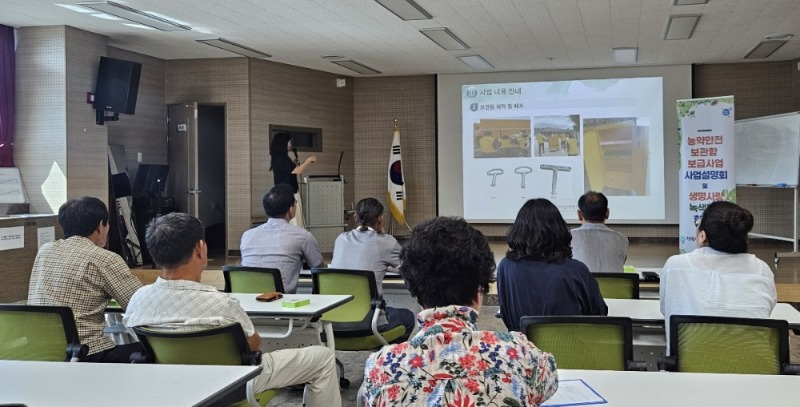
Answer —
323 208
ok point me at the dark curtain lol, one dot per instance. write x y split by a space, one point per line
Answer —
7 73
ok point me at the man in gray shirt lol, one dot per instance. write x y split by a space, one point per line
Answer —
276 243
602 250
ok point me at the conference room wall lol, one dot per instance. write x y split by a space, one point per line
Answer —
760 89
58 147
223 81
294 96
144 132
377 102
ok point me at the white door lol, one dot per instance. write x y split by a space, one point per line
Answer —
183 174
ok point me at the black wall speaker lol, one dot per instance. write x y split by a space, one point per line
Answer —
117 85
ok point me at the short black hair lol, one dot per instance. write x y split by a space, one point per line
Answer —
171 238
726 225
81 216
594 206
446 262
368 210
539 233
278 200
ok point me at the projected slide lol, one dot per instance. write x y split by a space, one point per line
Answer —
559 139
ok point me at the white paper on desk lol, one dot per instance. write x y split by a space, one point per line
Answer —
45 235
574 392
12 238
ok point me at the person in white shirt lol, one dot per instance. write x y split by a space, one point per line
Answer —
719 278
177 301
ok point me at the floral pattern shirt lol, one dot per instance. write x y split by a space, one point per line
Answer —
450 363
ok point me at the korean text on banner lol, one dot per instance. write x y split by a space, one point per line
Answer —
706 130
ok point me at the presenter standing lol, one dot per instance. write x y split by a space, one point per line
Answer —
285 170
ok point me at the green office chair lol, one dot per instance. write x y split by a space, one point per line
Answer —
226 345
242 279
42 333
618 285
707 344
584 342
355 324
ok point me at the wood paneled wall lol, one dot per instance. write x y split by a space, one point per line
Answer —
288 95
377 102
58 147
222 82
145 131
760 89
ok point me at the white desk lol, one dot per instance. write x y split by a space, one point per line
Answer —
663 389
319 305
107 384
649 311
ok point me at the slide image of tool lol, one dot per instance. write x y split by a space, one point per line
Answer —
494 172
523 170
555 169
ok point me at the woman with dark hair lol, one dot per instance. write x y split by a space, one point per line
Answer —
368 247
448 266
285 170
538 275
719 278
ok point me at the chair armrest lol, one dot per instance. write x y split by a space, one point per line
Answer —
139 357
251 358
635 365
77 351
377 305
790 369
667 363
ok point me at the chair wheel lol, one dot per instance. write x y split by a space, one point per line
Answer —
344 383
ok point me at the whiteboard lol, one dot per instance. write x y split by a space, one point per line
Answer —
768 150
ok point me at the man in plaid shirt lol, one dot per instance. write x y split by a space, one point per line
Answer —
79 273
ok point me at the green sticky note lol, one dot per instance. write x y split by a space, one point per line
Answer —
628 269
296 303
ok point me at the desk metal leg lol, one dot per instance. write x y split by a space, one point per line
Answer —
328 328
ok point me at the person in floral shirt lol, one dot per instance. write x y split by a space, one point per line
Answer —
447 266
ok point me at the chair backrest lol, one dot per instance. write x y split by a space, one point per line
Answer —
618 285
360 284
225 345
729 345
35 332
243 279
583 342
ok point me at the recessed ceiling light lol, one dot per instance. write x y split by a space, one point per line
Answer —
231 46
764 49
357 67
136 16
681 27
624 56
779 36
444 38
142 26
104 16
405 9
688 2
476 62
